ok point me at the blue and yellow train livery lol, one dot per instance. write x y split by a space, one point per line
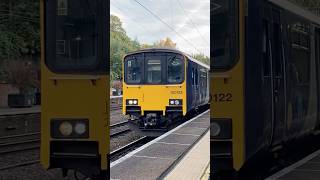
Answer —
160 85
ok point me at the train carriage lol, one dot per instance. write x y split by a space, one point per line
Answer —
162 84
75 86
264 80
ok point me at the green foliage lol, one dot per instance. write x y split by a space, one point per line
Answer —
163 43
202 58
19 29
120 44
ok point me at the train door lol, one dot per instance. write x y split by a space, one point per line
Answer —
317 56
278 79
193 86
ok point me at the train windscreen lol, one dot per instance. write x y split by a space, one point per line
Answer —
154 68
224 28
72 35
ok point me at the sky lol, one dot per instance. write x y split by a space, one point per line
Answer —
189 21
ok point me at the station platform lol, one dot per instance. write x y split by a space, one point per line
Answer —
16 111
306 169
181 153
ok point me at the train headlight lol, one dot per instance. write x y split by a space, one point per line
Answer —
135 102
80 128
175 102
221 128
66 128
69 128
132 102
215 129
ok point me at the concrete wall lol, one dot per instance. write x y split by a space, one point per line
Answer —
6 89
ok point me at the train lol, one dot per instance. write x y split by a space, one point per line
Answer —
264 79
75 87
161 85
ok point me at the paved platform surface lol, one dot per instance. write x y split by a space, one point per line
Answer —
305 169
193 165
154 159
13 111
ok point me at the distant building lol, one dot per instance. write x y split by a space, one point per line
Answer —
6 89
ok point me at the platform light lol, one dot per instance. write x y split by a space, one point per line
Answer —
65 128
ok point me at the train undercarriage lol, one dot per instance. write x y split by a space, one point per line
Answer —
154 123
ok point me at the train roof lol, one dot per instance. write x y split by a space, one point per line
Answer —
297 10
169 50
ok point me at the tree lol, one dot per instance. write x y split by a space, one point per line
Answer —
202 58
19 39
165 43
120 44
22 74
19 29
116 25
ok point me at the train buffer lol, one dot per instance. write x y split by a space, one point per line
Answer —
308 168
182 152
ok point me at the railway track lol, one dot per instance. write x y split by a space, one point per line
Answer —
114 107
129 147
11 166
13 146
19 143
119 129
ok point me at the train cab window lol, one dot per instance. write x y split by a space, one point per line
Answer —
72 35
154 71
133 70
175 70
224 28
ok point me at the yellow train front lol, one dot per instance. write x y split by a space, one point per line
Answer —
161 85
75 86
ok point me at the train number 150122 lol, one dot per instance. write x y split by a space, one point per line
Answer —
222 97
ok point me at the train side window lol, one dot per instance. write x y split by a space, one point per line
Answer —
192 76
276 49
300 52
196 77
133 71
266 49
154 71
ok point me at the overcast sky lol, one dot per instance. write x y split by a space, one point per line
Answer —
140 24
